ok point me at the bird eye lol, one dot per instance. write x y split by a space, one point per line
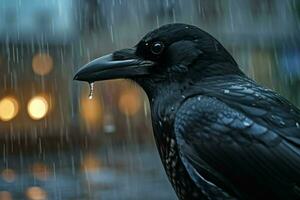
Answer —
157 48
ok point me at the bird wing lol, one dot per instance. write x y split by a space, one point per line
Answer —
249 153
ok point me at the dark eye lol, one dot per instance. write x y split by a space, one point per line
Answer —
157 48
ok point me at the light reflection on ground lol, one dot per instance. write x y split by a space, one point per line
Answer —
129 174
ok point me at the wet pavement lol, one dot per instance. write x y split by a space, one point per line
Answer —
109 174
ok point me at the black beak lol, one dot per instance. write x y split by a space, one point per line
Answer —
120 64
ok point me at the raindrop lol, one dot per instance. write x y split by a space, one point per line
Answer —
172 143
160 123
220 115
91 90
226 91
236 87
297 124
246 123
248 91
164 119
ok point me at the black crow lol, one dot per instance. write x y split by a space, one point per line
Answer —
219 134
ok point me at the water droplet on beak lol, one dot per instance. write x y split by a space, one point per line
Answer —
91 90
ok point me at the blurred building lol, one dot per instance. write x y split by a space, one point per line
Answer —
42 43
58 144
36 56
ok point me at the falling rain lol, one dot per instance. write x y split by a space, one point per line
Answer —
63 140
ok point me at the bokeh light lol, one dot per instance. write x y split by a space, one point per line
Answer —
67 147
42 64
130 102
37 107
36 193
8 108
8 175
91 163
91 110
40 171
4 195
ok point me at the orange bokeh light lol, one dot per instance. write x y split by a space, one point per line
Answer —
8 175
8 108
91 163
4 195
36 193
91 110
40 171
37 107
130 102
42 64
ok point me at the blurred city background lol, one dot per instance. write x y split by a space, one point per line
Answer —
56 144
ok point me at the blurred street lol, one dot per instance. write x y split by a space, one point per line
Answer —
57 144
106 173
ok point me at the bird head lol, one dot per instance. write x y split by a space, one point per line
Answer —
171 53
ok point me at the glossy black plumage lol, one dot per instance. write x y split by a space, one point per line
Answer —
245 139
219 134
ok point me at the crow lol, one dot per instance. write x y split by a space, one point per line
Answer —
219 134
